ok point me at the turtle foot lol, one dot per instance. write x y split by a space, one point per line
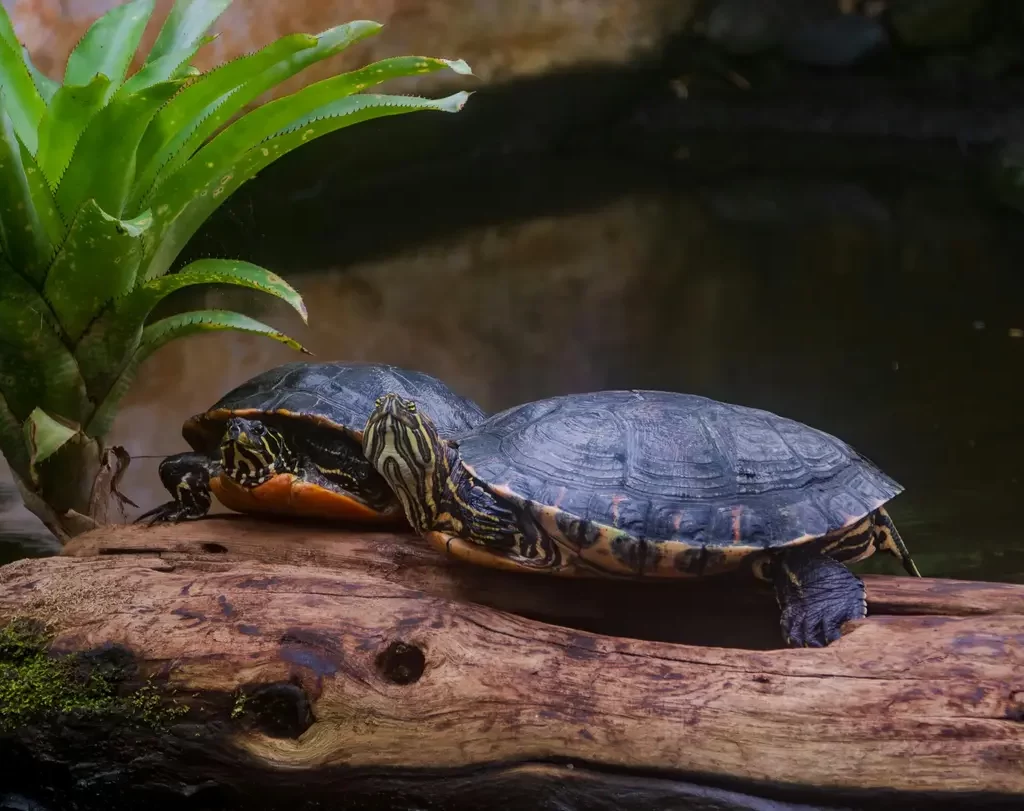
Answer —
186 476
171 512
817 595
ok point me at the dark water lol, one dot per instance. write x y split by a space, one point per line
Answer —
888 313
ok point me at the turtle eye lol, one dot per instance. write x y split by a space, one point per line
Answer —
379 402
258 429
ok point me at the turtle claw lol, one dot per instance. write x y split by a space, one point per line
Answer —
817 595
169 513
816 633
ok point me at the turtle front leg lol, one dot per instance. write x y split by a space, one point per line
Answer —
187 478
817 595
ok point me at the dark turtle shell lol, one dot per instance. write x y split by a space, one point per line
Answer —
336 396
698 484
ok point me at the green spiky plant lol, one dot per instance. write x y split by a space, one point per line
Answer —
104 178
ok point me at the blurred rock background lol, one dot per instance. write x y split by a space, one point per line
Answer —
501 40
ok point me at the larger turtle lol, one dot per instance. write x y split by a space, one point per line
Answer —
647 484
288 441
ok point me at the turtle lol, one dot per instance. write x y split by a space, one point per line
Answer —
647 484
288 442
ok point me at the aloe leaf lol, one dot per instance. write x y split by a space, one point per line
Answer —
103 163
280 113
43 201
209 102
96 264
109 45
183 29
29 221
36 367
65 119
115 335
163 332
7 32
182 325
391 68
188 119
162 69
44 84
138 305
44 436
184 120
188 198
12 440
21 99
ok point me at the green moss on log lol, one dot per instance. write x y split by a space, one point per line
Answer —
38 685
239 707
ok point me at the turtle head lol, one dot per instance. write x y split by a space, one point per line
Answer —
402 443
252 452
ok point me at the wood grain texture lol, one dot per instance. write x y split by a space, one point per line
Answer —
927 699
725 610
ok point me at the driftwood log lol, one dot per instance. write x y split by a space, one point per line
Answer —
316 668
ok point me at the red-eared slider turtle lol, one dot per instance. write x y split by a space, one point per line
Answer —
647 484
288 441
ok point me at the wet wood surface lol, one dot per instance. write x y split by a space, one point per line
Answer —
401 661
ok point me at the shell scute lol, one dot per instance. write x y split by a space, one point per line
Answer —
870 490
846 508
689 525
816 450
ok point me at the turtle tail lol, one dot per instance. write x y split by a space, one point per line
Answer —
894 544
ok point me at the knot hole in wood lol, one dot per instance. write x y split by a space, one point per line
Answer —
401 663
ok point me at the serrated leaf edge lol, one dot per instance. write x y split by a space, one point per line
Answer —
187 319
159 178
54 184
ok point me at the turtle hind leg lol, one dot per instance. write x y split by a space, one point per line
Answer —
887 539
186 476
817 595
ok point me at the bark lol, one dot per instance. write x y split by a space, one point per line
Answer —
77 488
365 671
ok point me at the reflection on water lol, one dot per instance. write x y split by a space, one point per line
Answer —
885 318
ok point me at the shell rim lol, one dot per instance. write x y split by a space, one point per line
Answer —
203 431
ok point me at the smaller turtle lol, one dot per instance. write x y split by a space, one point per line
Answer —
288 442
647 484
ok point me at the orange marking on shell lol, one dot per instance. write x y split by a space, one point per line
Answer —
849 520
616 501
737 525
502 489
286 495
319 419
